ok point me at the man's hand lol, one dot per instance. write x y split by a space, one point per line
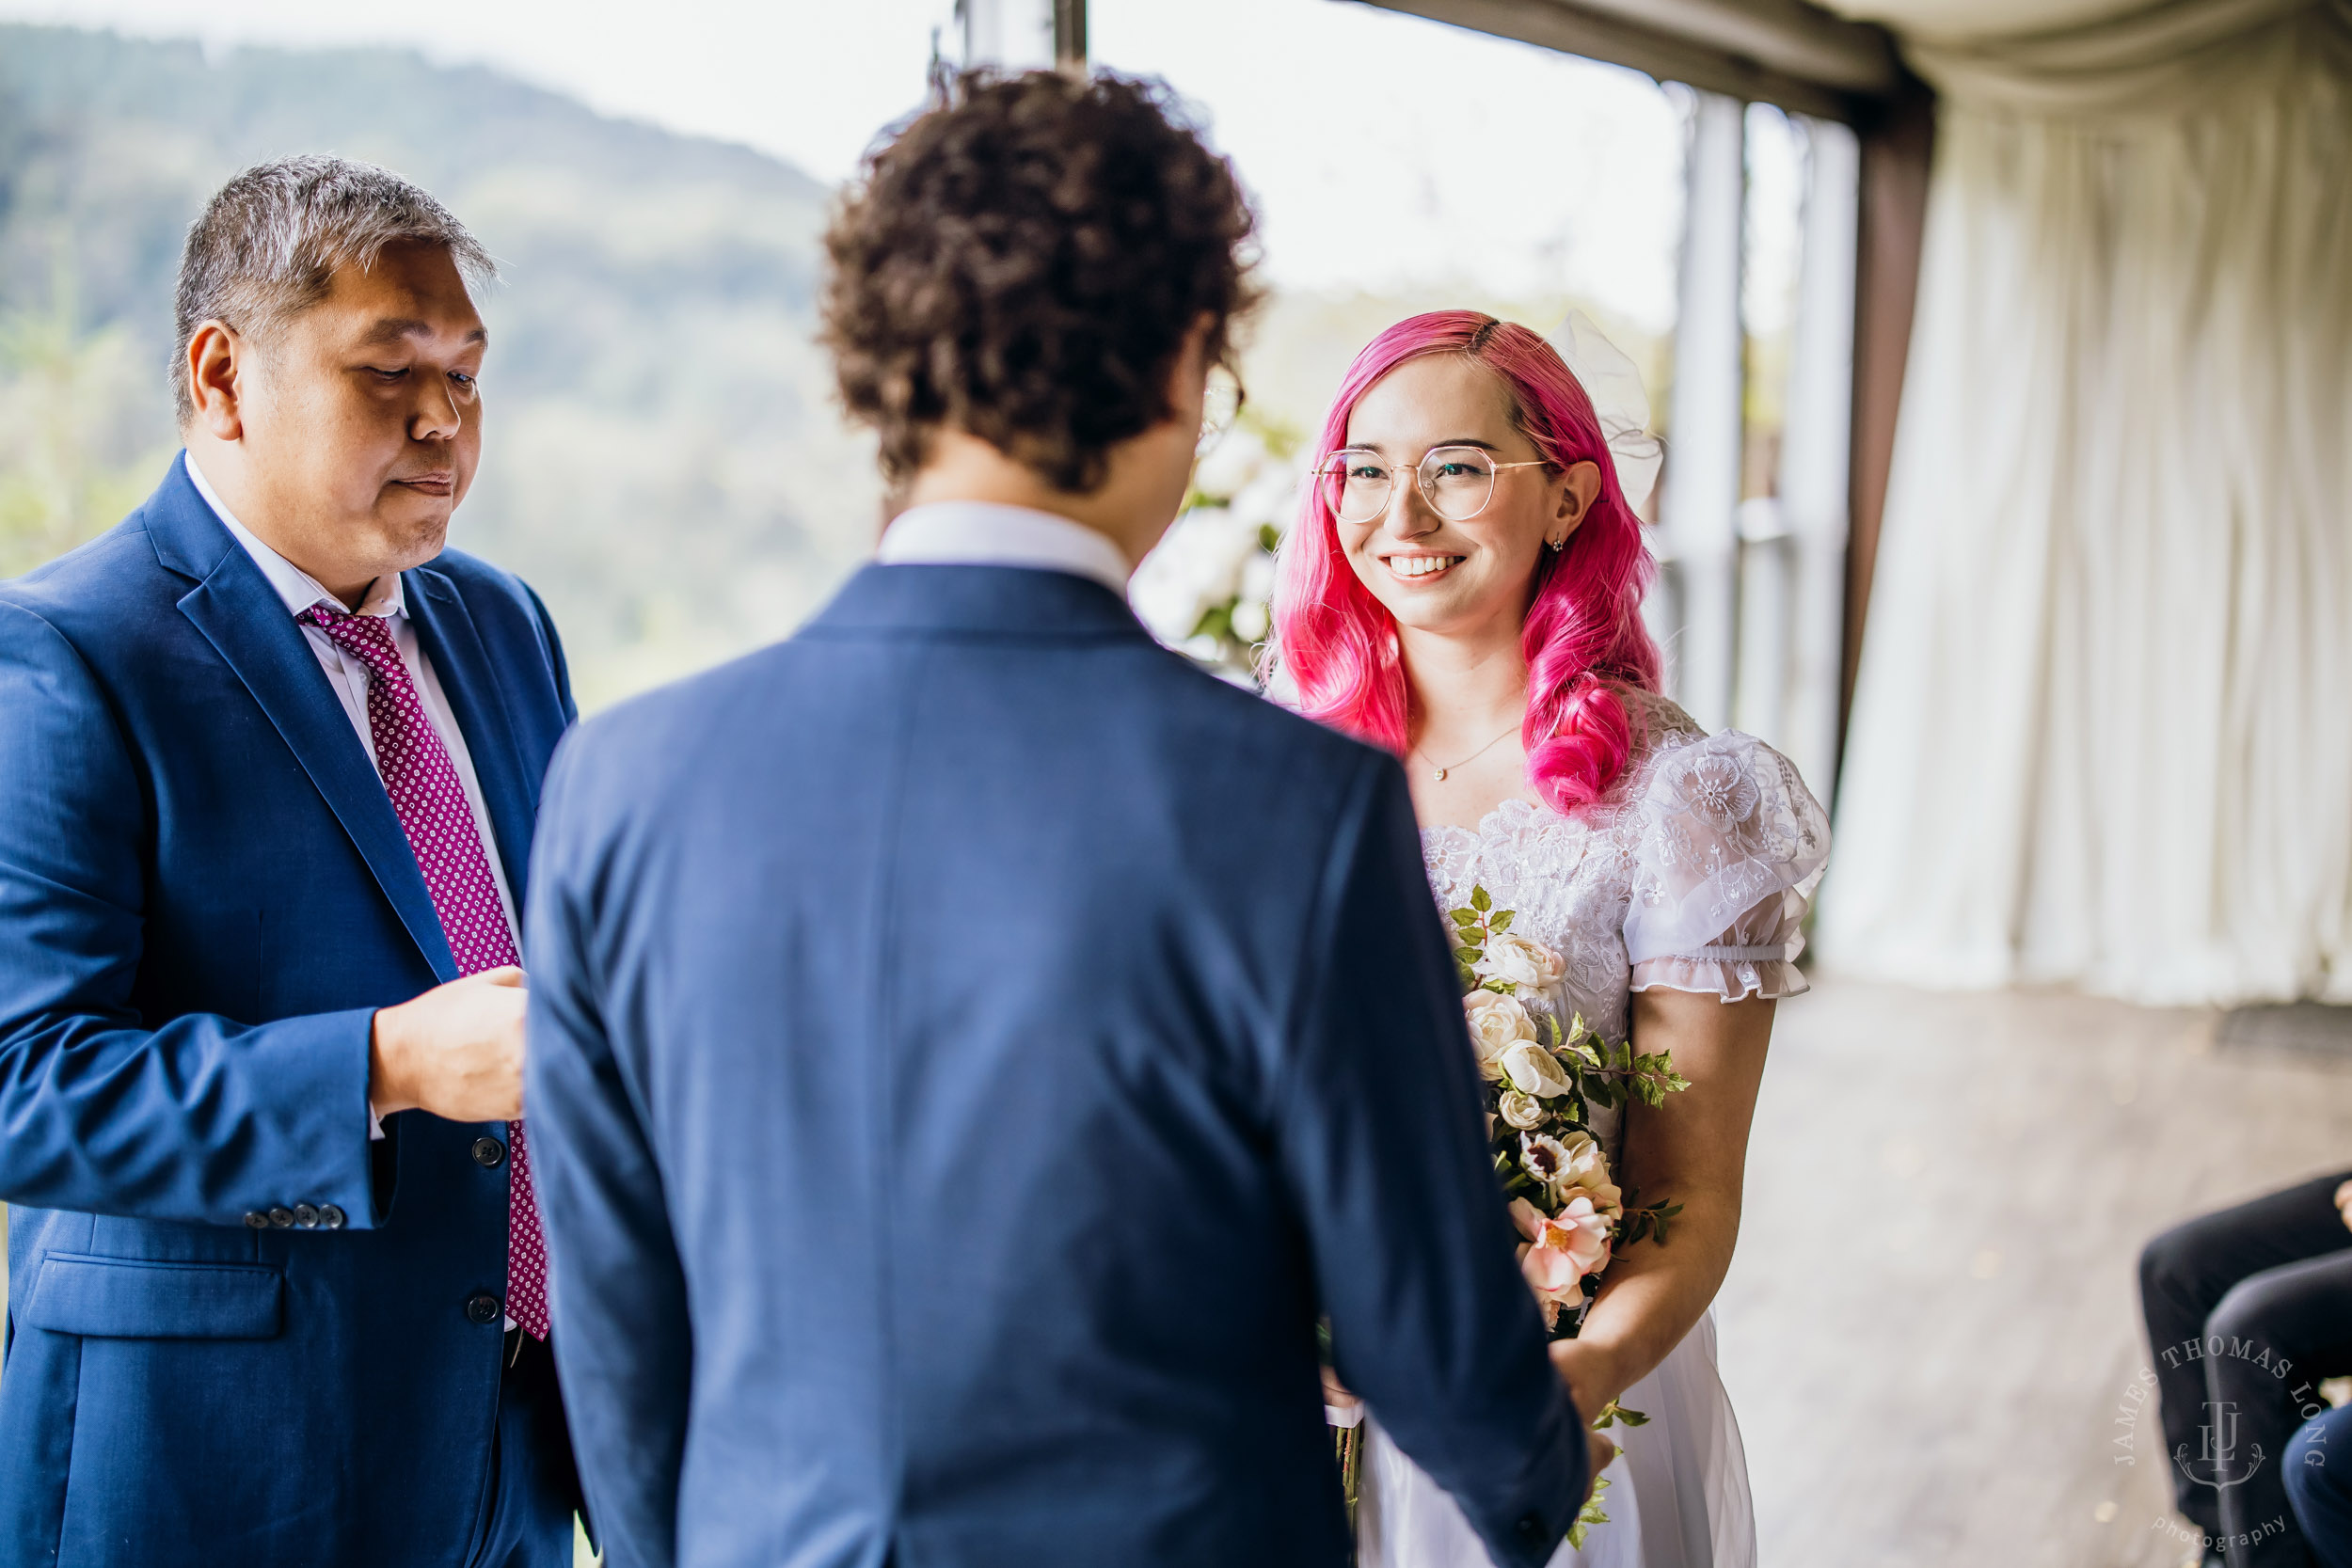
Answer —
1578 1363
456 1050
1590 1370
1335 1393
1602 1452
2344 1203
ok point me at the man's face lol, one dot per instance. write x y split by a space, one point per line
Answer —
361 417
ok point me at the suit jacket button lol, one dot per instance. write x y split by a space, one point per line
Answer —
330 1216
255 1220
281 1217
306 1216
489 1152
483 1308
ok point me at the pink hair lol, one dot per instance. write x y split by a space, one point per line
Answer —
1584 632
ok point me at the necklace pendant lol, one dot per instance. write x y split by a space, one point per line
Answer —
1441 773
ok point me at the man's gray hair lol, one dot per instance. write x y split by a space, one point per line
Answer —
268 245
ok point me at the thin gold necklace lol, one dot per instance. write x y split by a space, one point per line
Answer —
1450 767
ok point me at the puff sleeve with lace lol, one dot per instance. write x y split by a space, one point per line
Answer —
1727 845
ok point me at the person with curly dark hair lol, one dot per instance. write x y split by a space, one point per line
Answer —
1033 281
970 1045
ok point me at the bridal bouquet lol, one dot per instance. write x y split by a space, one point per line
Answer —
1542 1084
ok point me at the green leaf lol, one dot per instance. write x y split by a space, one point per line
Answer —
1501 921
1217 621
1480 901
1269 537
1469 955
1589 1515
1465 917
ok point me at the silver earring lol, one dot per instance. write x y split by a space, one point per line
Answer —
1555 546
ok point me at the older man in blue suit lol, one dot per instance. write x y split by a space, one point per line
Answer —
269 763
974 1045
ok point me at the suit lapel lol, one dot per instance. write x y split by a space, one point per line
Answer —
236 610
447 634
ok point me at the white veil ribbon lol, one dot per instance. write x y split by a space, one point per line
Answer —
1614 384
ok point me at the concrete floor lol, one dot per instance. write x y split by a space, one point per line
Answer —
1931 1330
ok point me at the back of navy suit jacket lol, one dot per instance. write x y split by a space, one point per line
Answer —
972 1048
204 895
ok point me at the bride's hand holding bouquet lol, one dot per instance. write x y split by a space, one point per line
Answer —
1542 1082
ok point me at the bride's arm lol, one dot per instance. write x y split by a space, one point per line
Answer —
1692 1150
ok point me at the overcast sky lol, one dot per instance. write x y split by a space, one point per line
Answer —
1382 148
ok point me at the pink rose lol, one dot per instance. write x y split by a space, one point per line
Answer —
1561 1249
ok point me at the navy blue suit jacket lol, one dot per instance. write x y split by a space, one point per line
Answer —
973 1045
204 895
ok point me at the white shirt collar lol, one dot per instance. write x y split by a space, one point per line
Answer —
297 587
983 534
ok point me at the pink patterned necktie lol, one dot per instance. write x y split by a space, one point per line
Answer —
431 805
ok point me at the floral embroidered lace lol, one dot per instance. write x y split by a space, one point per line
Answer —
1694 873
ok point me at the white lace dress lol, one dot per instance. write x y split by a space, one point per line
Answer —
1693 875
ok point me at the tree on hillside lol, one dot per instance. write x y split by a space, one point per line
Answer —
75 452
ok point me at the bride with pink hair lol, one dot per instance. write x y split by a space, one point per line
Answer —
1463 588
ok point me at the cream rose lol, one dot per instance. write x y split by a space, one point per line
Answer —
1584 1168
1496 1024
1518 1110
1523 962
1532 1070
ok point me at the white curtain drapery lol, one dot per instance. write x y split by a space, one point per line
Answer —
2103 730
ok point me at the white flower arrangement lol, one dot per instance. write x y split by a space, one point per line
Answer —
1207 591
1541 1083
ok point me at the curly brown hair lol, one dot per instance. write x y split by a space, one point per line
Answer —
1024 262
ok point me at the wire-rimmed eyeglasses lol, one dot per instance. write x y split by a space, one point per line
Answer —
1457 482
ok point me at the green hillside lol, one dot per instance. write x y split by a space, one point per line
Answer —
661 458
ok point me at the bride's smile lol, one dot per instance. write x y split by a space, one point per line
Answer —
1415 567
